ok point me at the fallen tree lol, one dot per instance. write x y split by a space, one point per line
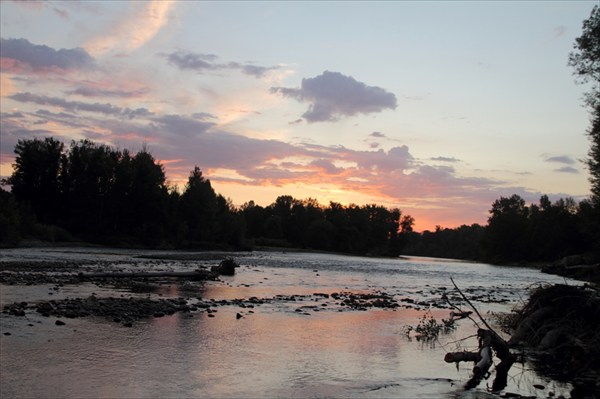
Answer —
488 340
558 327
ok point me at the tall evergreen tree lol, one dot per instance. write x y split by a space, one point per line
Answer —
148 198
585 59
593 160
198 208
88 177
36 176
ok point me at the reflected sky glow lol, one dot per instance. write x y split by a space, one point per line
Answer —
273 350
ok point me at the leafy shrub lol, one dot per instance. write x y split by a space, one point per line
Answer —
429 328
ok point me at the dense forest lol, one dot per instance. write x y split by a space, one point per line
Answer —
94 193
99 194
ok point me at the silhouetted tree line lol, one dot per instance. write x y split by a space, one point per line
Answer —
368 229
96 193
100 194
516 232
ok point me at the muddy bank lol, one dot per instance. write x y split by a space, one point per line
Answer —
585 267
589 273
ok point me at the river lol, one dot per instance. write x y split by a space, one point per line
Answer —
305 347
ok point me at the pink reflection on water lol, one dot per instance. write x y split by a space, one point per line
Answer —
272 351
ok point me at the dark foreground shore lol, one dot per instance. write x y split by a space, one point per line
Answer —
559 327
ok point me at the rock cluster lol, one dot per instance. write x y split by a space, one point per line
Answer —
127 310
365 301
226 267
120 310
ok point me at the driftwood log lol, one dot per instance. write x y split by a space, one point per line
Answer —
488 340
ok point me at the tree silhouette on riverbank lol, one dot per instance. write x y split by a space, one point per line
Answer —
110 196
515 232
95 193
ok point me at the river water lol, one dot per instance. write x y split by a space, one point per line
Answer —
310 347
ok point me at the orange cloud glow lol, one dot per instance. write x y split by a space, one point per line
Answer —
10 65
6 166
6 86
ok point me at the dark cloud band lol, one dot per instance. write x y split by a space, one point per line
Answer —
41 56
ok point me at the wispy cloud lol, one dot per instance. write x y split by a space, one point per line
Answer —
132 31
332 95
202 63
75 106
445 159
561 159
91 91
567 169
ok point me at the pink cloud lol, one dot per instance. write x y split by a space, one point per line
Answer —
394 177
133 30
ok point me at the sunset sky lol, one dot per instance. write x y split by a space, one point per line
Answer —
437 108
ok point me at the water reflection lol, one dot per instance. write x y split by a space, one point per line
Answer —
273 352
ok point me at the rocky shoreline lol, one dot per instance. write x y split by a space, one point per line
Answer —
128 310
141 297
